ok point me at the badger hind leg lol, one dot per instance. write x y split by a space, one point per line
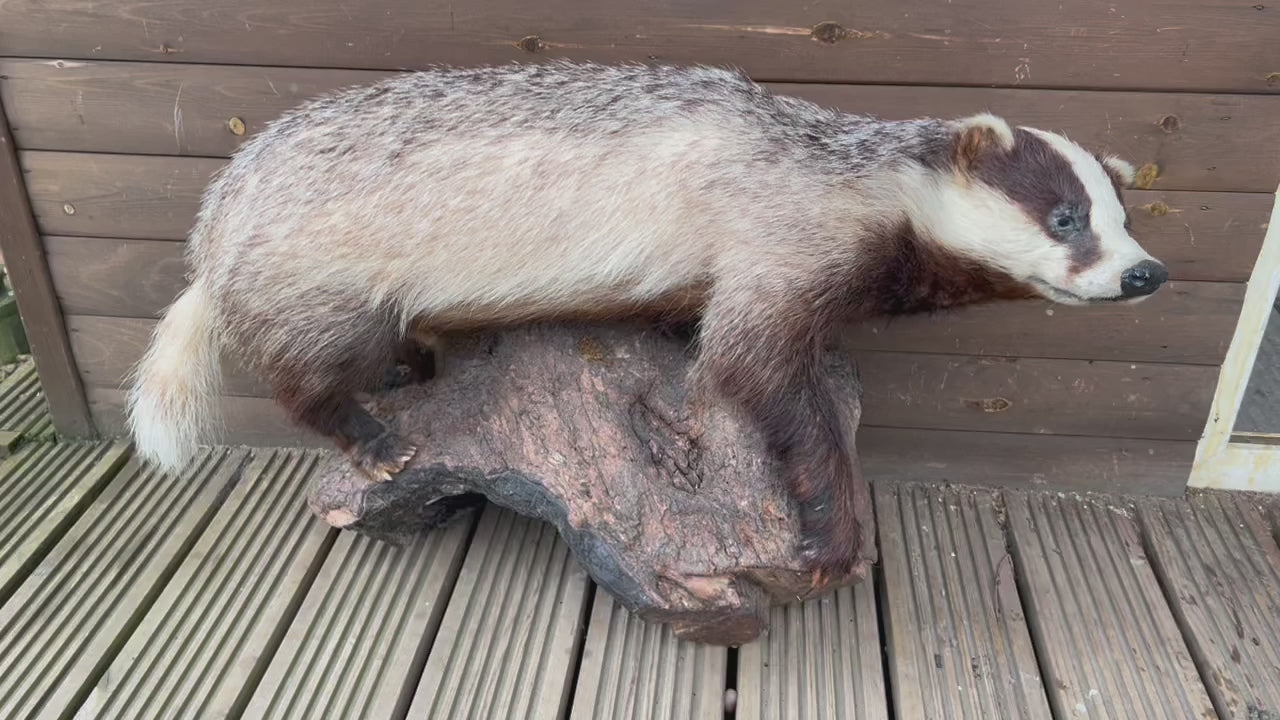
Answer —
318 389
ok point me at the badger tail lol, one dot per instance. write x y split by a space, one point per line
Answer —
173 401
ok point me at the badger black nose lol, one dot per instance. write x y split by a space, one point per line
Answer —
1143 279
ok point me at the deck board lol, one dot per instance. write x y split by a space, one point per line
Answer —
358 642
637 670
1108 644
23 409
509 638
201 647
61 628
43 489
958 644
1221 568
817 660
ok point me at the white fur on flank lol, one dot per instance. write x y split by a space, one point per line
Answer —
173 401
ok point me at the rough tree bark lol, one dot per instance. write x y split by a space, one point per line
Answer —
665 497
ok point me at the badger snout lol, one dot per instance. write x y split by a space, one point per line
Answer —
1143 279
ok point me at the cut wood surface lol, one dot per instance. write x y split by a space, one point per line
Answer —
946 392
667 495
1018 460
1213 45
1196 140
1199 236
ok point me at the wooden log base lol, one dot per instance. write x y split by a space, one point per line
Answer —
665 496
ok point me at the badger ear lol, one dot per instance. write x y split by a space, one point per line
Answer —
1121 170
978 135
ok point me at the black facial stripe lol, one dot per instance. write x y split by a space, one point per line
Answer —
1042 182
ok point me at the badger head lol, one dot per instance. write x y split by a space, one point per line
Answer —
1043 210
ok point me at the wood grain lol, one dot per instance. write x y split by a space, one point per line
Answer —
1199 236
1108 646
1219 565
28 276
1014 460
108 276
1199 141
944 392
1186 322
1214 45
956 641
132 196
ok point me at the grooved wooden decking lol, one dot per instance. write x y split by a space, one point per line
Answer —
127 593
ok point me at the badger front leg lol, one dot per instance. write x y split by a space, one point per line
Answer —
764 353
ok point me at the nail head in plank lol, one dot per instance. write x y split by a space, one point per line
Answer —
1221 570
201 647
817 660
632 669
359 640
60 629
508 640
1108 645
43 489
958 644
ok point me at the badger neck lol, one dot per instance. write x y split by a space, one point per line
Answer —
906 272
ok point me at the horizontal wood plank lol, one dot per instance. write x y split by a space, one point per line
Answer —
1198 141
1212 45
133 196
1200 236
115 277
1185 322
943 392
1014 460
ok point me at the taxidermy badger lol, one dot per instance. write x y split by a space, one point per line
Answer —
457 198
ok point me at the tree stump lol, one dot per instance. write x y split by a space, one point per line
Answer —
666 498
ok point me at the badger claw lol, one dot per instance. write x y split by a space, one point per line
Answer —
384 457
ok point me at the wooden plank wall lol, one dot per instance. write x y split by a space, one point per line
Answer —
122 110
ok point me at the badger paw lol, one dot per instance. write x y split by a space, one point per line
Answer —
827 559
382 457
